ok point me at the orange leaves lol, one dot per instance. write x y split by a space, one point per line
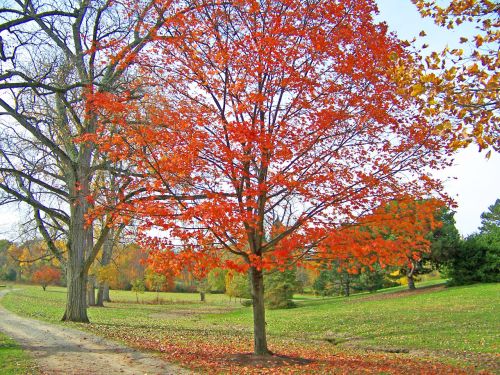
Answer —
235 266
392 234
244 121
173 262
46 275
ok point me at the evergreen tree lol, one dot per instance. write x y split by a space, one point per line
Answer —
445 241
279 287
478 257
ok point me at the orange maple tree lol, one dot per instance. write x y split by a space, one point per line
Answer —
462 83
394 234
408 224
252 113
46 275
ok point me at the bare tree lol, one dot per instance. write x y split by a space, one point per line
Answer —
55 53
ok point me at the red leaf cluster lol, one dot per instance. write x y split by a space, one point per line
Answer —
46 275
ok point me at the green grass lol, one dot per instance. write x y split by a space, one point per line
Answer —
437 320
165 298
13 360
464 318
459 318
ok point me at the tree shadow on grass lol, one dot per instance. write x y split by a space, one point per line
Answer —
266 361
8 346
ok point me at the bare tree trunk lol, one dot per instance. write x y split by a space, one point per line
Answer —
347 285
48 101
259 312
107 252
411 281
202 296
91 291
106 293
100 295
409 276
76 302
80 244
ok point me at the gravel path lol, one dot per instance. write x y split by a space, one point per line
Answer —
62 350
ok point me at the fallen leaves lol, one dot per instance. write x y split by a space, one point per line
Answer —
216 352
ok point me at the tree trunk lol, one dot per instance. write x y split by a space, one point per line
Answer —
91 291
107 252
79 245
347 286
100 295
409 276
202 296
411 281
76 301
106 293
259 312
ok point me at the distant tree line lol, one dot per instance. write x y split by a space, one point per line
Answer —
475 258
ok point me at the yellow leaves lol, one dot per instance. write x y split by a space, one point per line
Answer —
461 114
450 74
465 88
393 56
417 90
428 78
444 126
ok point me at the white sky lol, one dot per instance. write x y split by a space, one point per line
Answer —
473 181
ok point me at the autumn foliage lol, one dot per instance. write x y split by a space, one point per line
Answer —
395 234
461 84
295 120
220 351
250 113
46 275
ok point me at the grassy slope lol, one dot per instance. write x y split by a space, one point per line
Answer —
460 319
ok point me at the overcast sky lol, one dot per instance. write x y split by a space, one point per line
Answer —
473 182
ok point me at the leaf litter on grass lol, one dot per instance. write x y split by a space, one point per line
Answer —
214 352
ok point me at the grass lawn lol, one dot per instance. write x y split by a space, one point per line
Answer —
13 360
457 326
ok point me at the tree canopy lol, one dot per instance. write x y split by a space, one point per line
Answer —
256 112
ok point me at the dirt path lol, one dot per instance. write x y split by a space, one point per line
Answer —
62 350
